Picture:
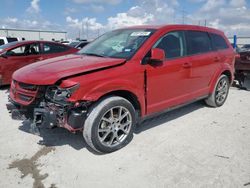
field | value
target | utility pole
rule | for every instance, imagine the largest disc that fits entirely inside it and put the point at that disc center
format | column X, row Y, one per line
column 87, row 28
column 82, row 30
column 205, row 23
column 183, row 16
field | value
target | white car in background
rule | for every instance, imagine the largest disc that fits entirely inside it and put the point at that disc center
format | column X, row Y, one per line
column 5, row 40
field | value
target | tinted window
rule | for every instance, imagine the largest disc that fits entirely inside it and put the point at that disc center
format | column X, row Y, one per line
column 9, row 39
column 173, row 44
column 1, row 42
column 28, row 49
column 82, row 44
column 197, row 42
column 218, row 42
column 49, row 48
column 246, row 46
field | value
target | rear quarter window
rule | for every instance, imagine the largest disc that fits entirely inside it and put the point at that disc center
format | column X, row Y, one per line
column 50, row 48
column 218, row 41
column 197, row 42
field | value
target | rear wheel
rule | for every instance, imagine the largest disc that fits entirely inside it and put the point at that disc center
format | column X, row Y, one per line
column 220, row 93
column 110, row 125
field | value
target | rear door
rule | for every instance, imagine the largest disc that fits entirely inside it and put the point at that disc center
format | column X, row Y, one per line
column 18, row 57
column 225, row 54
column 168, row 83
column 204, row 59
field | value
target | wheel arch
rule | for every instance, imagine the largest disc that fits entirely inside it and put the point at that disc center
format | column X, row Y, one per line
column 226, row 71
column 128, row 95
column 228, row 74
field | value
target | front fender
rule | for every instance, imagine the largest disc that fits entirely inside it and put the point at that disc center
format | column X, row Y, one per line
column 97, row 91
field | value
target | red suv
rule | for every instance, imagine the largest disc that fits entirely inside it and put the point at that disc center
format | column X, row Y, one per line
column 15, row 55
column 123, row 77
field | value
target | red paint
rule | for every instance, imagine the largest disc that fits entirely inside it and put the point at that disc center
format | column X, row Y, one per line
column 10, row 64
column 169, row 84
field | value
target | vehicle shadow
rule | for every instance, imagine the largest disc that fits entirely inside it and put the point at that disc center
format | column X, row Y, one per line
column 61, row 136
column 56, row 136
column 168, row 116
column 6, row 88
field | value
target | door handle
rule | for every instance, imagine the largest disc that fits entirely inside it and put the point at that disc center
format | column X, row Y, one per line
column 187, row 65
column 39, row 59
column 216, row 59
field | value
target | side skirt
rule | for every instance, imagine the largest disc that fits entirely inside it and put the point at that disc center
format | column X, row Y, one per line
column 172, row 108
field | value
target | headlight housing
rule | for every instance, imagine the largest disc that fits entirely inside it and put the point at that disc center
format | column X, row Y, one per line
column 57, row 93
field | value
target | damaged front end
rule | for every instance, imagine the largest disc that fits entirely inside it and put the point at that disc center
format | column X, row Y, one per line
column 55, row 109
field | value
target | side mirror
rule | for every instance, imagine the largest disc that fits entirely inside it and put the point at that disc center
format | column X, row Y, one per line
column 157, row 56
column 4, row 55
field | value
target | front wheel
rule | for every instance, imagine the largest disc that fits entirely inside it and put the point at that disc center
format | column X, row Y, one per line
column 110, row 125
column 220, row 92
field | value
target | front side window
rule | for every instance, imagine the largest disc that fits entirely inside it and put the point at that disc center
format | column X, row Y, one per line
column 118, row 44
column 49, row 48
column 173, row 44
column 197, row 42
column 24, row 50
column 218, row 42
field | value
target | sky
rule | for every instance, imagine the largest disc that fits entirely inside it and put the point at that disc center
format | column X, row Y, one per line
column 91, row 18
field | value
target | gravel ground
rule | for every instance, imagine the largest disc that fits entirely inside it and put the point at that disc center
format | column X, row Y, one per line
column 194, row 146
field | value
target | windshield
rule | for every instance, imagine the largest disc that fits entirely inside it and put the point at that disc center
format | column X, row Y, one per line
column 2, row 47
column 118, row 44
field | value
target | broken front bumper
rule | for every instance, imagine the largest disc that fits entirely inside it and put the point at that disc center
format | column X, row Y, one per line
column 50, row 115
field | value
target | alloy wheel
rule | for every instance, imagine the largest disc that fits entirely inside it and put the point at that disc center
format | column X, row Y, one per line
column 114, row 126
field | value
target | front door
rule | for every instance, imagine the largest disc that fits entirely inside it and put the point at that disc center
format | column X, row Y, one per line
column 19, row 57
column 168, row 83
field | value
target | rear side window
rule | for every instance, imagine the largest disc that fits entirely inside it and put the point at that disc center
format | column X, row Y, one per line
column 197, row 42
column 49, row 48
column 1, row 42
column 173, row 44
column 218, row 42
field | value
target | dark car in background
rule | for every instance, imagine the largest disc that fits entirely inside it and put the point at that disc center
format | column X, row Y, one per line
column 245, row 47
column 242, row 67
column 15, row 55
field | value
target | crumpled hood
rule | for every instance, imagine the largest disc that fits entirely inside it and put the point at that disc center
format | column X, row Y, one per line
column 49, row 71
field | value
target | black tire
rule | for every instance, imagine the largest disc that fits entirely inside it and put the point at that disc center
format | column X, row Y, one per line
column 213, row 99
column 105, row 122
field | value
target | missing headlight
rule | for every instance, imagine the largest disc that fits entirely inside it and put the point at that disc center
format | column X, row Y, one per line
column 56, row 93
